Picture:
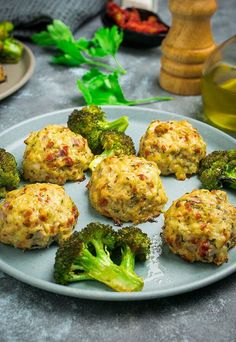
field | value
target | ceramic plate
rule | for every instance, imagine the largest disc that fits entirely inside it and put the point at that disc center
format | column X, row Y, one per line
column 164, row 274
column 17, row 74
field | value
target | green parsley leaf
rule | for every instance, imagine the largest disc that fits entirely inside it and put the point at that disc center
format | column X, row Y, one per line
column 104, row 89
column 108, row 40
column 56, row 32
column 81, row 51
column 82, row 44
column 66, row 60
column 60, row 32
column 70, row 49
column 43, row 38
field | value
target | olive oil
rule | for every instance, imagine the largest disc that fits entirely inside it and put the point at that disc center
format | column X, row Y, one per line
column 219, row 96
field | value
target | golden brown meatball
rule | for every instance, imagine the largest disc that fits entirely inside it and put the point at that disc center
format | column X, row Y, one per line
column 127, row 188
column 175, row 146
column 201, row 226
column 55, row 155
column 36, row 215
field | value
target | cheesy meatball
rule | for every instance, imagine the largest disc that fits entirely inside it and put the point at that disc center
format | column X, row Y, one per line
column 55, row 155
column 127, row 188
column 175, row 146
column 36, row 215
column 201, row 226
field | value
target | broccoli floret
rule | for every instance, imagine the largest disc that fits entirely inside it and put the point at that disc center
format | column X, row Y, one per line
column 5, row 28
column 113, row 143
column 134, row 245
column 11, row 51
column 90, row 122
column 9, row 175
column 218, row 169
column 87, row 255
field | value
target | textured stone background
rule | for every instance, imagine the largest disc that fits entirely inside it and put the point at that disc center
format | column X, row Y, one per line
column 29, row 314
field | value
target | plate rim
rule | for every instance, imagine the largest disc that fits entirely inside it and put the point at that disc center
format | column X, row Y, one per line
column 112, row 296
column 26, row 76
column 180, row 116
column 115, row 296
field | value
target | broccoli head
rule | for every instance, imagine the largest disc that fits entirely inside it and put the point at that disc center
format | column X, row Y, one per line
column 134, row 245
column 113, row 143
column 218, row 169
column 87, row 255
column 11, row 51
column 9, row 175
column 5, row 28
column 90, row 122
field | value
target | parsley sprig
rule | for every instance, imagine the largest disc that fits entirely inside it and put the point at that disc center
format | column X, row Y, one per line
column 97, row 87
column 73, row 52
column 101, row 89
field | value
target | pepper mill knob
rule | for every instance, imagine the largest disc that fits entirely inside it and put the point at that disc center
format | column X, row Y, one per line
column 187, row 45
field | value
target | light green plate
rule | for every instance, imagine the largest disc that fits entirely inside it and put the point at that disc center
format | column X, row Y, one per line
column 164, row 274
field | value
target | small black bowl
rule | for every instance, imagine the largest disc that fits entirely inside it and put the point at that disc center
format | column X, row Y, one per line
column 138, row 40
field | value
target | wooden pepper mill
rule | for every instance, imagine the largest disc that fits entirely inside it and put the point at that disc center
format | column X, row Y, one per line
column 187, row 45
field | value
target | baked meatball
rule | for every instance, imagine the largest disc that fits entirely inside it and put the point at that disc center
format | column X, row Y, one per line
column 55, row 155
column 201, row 226
column 127, row 188
column 175, row 146
column 36, row 215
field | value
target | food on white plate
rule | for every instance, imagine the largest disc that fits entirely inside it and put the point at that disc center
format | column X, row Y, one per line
column 201, row 226
column 2, row 75
column 127, row 188
column 11, row 50
column 35, row 215
column 56, row 155
column 175, row 146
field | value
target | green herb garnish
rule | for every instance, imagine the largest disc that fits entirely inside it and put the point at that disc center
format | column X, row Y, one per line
column 102, row 89
column 97, row 88
column 77, row 52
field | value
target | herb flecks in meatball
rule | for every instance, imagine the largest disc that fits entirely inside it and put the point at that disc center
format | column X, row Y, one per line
column 35, row 215
column 127, row 188
column 201, row 226
column 55, row 155
column 175, row 146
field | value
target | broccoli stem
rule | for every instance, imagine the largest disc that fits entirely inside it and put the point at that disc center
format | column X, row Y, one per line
column 97, row 160
column 119, row 125
column 102, row 268
column 74, row 277
column 128, row 258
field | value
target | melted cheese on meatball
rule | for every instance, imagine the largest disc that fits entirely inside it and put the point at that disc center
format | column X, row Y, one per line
column 127, row 188
column 55, row 155
column 175, row 146
column 201, row 226
column 36, row 215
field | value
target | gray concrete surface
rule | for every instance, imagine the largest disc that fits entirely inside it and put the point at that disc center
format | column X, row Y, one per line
column 30, row 314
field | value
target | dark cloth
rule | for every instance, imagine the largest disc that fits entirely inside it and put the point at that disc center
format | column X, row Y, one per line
column 30, row 16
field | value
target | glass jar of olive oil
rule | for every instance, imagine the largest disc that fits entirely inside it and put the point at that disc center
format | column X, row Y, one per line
column 218, row 86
